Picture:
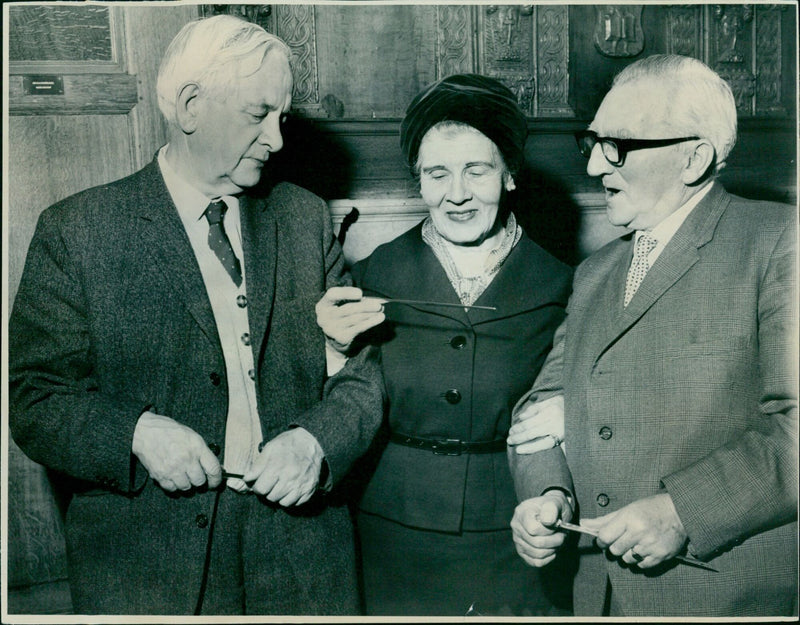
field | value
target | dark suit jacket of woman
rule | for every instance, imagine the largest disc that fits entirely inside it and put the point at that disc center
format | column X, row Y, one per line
column 450, row 374
column 112, row 318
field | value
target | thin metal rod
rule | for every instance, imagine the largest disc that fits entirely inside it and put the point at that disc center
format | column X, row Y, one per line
column 571, row 527
column 414, row 302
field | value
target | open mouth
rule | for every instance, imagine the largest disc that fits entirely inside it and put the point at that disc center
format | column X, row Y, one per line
column 611, row 191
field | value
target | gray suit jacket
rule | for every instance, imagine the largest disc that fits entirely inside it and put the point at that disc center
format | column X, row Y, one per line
column 690, row 390
column 112, row 318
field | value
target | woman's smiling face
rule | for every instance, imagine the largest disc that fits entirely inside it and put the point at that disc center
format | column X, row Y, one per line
column 462, row 176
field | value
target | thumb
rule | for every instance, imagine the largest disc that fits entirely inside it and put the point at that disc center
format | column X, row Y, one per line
column 550, row 512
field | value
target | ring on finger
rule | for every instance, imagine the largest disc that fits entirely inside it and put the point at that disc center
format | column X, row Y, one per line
column 636, row 556
column 557, row 440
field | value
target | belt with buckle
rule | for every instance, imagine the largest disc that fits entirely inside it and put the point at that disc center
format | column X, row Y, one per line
column 449, row 446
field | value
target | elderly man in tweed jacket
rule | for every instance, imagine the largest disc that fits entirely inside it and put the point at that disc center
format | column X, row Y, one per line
column 674, row 375
column 165, row 327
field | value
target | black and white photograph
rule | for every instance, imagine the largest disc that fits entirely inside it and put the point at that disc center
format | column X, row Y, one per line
column 386, row 311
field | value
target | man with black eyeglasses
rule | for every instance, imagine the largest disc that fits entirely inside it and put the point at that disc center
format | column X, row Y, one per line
column 673, row 380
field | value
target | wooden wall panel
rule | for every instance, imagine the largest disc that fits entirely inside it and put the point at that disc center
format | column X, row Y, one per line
column 148, row 33
column 375, row 59
column 51, row 157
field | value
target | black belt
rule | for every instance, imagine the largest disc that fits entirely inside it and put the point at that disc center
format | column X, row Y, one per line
column 449, row 446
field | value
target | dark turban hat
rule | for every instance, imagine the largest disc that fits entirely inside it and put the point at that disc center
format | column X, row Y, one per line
column 478, row 101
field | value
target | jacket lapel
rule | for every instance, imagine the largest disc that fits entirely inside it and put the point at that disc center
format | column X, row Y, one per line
column 403, row 282
column 521, row 284
column 677, row 258
column 165, row 239
column 259, row 241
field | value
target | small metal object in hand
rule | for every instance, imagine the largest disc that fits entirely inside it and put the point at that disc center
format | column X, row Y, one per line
column 571, row 527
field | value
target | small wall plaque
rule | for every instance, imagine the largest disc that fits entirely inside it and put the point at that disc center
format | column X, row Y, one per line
column 43, row 85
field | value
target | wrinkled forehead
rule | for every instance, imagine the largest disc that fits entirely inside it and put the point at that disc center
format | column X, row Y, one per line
column 637, row 110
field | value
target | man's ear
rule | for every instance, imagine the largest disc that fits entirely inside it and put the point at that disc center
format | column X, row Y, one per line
column 509, row 182
column 701, row 158
column 186, row 105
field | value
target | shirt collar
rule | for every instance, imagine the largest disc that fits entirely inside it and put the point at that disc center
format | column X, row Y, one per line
column 666, row 229
column 190, row 202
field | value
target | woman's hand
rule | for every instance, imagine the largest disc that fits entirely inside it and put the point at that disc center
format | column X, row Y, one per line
column 343, row 313
column 538, row 426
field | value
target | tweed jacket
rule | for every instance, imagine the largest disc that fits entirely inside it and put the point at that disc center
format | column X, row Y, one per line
column 452, row 374
column 690, row 390
column 111, row 319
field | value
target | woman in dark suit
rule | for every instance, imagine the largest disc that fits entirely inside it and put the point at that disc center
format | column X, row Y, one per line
column 434, row 518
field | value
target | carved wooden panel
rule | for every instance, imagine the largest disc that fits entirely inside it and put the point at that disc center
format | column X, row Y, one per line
column 685, row 30
column 730, row 50
column 296, row 25
column 454, row 28
column 618, row 30
column 769, row 69
column 506, row 35
column 552, row 62
column 746, row 50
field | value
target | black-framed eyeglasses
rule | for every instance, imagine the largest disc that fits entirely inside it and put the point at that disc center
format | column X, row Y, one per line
column 615, row 150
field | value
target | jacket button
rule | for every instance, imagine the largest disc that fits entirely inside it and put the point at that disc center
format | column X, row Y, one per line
column 251, row 374
column 602, row 500
column 452, row 396
column 214, row 448
column 241, row 301
column 215, row 378
column 605, row 433
column 458, row 342
column 246, row 338
column 201, row 520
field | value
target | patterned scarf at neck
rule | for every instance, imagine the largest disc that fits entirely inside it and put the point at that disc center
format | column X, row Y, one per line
column 470, row 287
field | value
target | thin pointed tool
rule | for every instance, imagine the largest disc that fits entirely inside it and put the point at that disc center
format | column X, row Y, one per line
column 571, row 527
column 415, row 302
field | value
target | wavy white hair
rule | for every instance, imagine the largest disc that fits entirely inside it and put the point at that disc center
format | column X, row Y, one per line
column 214, row 53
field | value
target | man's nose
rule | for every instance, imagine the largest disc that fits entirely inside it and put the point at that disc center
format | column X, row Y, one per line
column 458, row 192
column 598, row 164
column 271, row 135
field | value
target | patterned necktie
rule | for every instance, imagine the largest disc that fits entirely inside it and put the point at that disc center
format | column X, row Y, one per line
column 639, row 265
column 219, row 243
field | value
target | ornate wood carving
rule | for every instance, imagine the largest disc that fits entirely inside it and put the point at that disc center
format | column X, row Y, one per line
column 768, row 59
column 527, row 47
column 618, row 30
column 295, row 24
column 685, row 30
column 454, row 28
column 731, row 23
column 552, row 61
column 730, row 51
column 506, row 49
column 260, row 14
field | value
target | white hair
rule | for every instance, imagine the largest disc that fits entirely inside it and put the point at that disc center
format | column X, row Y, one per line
column 214, row 53
column 697, row 101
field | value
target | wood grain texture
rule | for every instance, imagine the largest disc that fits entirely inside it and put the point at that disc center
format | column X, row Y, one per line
column 148, row 31
column 110, row 94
